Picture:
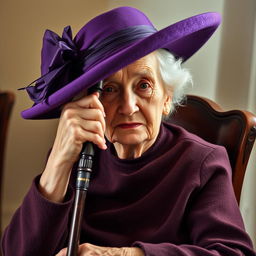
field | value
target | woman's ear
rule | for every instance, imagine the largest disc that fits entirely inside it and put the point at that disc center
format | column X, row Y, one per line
column 167, row 105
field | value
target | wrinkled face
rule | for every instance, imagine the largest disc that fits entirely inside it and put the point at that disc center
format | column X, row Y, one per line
column 134, row 100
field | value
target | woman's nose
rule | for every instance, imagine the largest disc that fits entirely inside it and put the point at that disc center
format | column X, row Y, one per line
column 128, row 104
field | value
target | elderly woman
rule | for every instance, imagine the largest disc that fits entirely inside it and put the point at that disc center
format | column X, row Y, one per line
column 156, row 189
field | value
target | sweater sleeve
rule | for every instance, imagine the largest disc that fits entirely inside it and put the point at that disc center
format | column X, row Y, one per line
column 213, row 220
column 37, row 215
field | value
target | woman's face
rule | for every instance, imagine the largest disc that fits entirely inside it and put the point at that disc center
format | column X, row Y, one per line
column 134, row 100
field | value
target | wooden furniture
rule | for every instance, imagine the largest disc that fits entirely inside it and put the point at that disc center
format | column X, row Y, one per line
column 6, row 104
column 235, row 130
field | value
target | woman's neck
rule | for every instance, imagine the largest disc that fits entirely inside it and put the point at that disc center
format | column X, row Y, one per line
column 131, row 151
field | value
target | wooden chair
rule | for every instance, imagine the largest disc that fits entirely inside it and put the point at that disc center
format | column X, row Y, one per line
column 235, row 130
column 6, row 104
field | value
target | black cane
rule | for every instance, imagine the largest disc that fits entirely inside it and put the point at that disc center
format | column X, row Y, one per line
column 84, row 170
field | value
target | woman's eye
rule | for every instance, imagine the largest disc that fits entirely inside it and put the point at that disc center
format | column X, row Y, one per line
column 108, row 89
column 144, row 89
column 109, row 93
column 144, row 86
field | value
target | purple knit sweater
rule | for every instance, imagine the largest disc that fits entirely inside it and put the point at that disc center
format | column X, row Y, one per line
column 175, row 200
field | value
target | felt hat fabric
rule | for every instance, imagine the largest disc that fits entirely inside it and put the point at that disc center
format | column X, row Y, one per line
column 103, row 46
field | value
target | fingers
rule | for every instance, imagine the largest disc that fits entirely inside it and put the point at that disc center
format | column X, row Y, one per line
column 92, row 136
column 90, row 101
column 83, row 250
column 62, row 252
column 87, row 249
column 84, row 125
column 83, row 116
column 88, row 108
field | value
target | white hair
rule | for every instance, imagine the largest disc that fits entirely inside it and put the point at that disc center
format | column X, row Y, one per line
column 176, row 78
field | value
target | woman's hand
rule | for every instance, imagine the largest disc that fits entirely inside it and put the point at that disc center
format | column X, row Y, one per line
column 80, row 121
column 93, row 250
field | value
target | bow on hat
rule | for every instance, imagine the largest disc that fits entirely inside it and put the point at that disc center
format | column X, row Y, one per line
column 59, row 65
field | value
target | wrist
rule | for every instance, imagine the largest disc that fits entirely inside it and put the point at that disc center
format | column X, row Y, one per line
column 54, row 181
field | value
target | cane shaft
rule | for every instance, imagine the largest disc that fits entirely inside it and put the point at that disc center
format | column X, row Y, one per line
column 82, row 183
column 76, row 222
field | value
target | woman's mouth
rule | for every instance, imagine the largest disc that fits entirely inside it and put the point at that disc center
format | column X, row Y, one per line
column 128, row 125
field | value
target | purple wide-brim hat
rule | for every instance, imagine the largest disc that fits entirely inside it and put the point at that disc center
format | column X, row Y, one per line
column 103, row 46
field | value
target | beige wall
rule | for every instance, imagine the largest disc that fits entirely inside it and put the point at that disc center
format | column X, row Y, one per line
column 22, row 24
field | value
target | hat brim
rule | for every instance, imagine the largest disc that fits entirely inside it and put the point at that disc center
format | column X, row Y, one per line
column 182, row 39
